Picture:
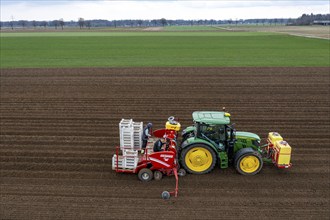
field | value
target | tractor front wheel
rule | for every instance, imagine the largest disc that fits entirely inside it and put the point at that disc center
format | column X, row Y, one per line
column 198, row 159
column 248, row 161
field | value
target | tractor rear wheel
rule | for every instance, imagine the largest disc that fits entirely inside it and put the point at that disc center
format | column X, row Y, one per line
column 198, row 159
column 248, row 161
column 145, row 175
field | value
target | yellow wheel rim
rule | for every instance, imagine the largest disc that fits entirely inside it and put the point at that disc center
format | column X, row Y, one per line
column 198, row 159
column 249, row 164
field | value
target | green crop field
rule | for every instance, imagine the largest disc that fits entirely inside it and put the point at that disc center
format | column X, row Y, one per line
column 164, row 49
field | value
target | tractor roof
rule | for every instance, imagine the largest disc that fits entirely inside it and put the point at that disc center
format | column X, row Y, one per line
column 212, row 117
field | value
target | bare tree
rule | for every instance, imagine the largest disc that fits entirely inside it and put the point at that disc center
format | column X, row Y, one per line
column 154, row 22
column 270, row 21
column 12, row 22
column 56, row 23
column 88, row 24
column 34, row 24
column 23, row 23
column 43, row 24
column 170, row 22
column 140, row 22
column 163, row 21
column 61, row 22
column 81, row 22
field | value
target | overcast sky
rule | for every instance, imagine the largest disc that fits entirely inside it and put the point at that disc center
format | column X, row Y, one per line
column 156, row 9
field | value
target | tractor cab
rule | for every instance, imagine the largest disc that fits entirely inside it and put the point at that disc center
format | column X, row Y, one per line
column 214, row 127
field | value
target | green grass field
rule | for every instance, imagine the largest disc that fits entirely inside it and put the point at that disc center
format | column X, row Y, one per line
column 164, row 49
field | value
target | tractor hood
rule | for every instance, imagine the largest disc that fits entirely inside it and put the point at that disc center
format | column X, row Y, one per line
column 246, row 139
column 243, row 134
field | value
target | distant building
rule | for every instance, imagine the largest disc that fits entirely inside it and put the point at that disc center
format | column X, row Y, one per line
column 322, row 22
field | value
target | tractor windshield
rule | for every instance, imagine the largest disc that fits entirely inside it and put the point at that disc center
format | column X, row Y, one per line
column 215, row 133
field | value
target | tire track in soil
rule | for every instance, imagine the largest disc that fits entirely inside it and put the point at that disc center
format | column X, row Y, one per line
column 59, row 129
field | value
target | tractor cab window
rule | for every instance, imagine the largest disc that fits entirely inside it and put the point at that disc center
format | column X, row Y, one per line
column 215, row 133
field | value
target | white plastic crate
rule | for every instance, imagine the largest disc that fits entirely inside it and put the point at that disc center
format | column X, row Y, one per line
column 137, row 135
column 130, row 134
column 131, row 153
column 114, row 161
column 131, row 162
column 126, row 133
column 124, row 162
column 125, row 123
column 127, row 138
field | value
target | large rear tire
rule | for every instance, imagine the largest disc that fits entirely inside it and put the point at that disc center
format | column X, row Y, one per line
column 248, row 162
column 198, row 159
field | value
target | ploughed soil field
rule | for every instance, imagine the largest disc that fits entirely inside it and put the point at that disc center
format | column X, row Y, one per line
column 59, row 130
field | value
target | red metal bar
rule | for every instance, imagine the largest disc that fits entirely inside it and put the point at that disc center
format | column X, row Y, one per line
column 175, row 192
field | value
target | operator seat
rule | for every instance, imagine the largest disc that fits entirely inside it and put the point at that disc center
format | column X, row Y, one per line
column 158, row 146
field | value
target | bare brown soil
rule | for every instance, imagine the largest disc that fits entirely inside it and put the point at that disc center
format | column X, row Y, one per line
column 153, row 29
column 313, row 31
column 59, row 129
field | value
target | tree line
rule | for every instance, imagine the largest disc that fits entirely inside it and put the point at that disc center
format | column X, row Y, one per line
column 305, row 19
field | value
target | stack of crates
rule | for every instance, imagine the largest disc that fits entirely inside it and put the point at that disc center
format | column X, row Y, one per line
column 126, row 134
column 130, row 133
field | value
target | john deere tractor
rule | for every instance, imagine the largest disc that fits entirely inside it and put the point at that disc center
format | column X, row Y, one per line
column 212, row 140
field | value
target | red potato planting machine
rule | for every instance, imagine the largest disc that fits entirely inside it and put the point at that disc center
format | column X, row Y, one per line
column 150, row 157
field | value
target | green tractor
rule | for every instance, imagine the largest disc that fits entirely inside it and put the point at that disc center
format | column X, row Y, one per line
column 212, row 140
